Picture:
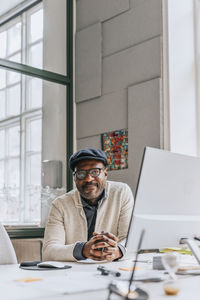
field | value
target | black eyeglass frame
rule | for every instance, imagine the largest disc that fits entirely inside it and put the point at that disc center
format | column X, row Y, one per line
column 88, row 172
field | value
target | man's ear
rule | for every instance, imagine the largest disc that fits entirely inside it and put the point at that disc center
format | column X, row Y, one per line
column 106, row 172
column 74, row 178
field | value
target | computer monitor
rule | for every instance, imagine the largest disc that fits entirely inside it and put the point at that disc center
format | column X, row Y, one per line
column 167, row 201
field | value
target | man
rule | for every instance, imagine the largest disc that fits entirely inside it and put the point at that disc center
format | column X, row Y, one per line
column 91, row 220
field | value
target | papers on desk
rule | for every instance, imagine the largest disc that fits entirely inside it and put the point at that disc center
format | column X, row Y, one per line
column 189, row 272
column 181, row 250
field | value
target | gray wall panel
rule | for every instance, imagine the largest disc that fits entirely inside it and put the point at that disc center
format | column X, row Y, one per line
column 143, row 122
column 135, row 3
column 103, row 114
column 92, row 141
column 92, row 11
column 134, row 65
column 121, row 176
column 88, row 63
column 124, row 31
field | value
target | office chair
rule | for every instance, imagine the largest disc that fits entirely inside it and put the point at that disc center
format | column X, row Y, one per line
column 7, row 252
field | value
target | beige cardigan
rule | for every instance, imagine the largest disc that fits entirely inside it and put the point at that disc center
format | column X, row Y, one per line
column 67, row 223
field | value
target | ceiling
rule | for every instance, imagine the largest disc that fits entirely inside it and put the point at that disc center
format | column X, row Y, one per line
column 6, row 5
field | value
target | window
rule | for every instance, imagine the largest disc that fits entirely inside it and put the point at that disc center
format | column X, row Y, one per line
column 36, row 104
column 21, row 41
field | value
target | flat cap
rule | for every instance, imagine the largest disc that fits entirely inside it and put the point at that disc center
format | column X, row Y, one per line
column 87, row 153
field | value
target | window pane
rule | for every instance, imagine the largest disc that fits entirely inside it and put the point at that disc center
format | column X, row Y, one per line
column 33, row 199
column 11, row 207
column 14, row 77
column 35, row 56
column 2, row 143
column 16, row 57
column 35, row 135
column 35, row 169
column 14, row 38
column 34, row 93
column 2, row 104
column 2, row 78
column 35, row 205
column 13, row 140
column 13, row 173
column 3, row 37
column 36, row 26
column 33, row 190
column 13, row 99
column 1, row 174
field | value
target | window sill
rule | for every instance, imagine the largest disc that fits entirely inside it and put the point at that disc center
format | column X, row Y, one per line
column 16, row 232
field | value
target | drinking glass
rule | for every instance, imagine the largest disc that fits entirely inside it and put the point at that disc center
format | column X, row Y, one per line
column 171, row 262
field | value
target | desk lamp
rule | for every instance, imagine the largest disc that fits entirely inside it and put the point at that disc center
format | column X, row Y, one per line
column 132, row 292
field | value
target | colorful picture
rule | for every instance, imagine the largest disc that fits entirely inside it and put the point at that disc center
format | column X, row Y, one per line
column 115, row 144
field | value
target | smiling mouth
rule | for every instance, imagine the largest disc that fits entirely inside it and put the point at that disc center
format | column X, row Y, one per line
column 90, row 187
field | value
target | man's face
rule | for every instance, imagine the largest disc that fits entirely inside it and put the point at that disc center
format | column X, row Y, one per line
column 91, row 187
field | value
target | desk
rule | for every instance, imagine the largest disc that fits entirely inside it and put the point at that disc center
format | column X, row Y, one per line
column 55, row 283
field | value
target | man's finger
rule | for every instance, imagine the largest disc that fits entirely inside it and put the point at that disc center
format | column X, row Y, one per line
column 100, row 245
column 110, row 257
column 108, row 237
column 111, row 236
column 98, row 253
column 110, row 250
column 96, row 258
column 99, row 237
column 96, row 233
column 111, row 242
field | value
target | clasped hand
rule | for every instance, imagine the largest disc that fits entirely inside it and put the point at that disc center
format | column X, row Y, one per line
column 102, row 246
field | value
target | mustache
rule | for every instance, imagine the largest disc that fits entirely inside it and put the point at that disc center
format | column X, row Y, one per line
column 89, row 183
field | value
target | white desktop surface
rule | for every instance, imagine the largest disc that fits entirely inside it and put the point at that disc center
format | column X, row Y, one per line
column 56, row 283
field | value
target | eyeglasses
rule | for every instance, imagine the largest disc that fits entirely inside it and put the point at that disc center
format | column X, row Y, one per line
column 82, row 174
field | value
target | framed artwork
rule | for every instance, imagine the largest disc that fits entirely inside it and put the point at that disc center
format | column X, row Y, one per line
column 115, row 144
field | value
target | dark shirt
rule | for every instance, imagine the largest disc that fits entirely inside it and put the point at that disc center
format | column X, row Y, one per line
column 91, row 214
